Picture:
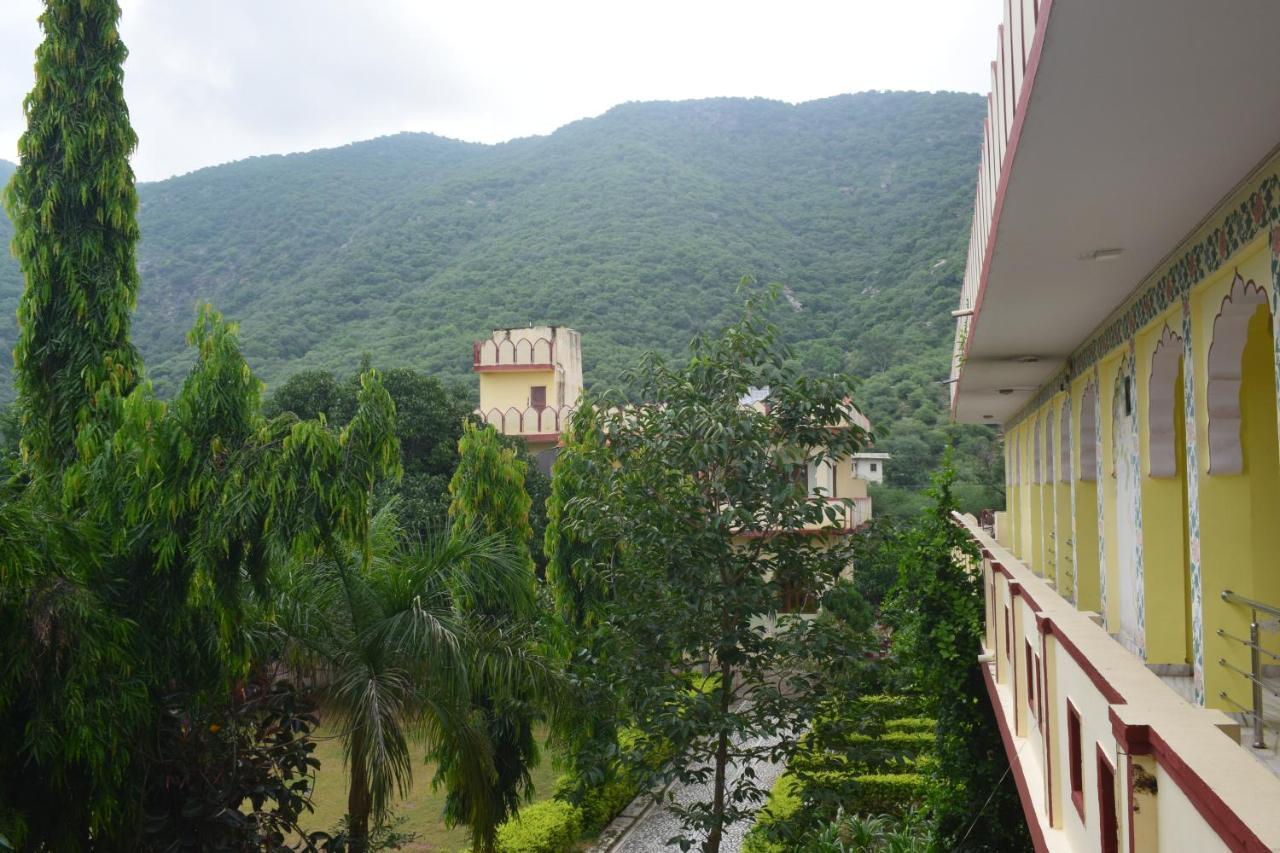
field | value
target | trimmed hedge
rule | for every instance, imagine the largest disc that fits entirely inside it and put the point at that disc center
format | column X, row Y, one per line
column 551, row 826
column 911, row 724
column 887, row 793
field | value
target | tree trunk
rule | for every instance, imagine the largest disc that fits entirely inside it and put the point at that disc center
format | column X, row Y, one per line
column 712, row 844
column 359, row 800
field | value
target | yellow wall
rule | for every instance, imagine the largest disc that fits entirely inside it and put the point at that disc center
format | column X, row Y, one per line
column 1064, row 541
column 1107, row 372
column 1085, row 532
column 1165, row 573
column 510, row 389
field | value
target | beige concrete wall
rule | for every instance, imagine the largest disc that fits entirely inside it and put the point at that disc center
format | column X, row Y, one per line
column 1189, row 750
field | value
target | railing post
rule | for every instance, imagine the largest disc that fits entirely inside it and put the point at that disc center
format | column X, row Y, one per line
column 1255, row 666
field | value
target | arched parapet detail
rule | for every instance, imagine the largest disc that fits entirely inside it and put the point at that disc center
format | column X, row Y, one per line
column 524, row 351
column 541, row 351
column 487, row 352
column 1162, row 420
column 493, row 418
column 548, row 420
column 511, row 421
column 1226, row 352
column 1089, row 433
column 1064, row 443
column 506, row 352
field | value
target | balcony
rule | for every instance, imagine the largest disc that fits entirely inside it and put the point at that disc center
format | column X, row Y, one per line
column 532, row 423
column 1105, row 755
column 535, row 354
column 1113, row 130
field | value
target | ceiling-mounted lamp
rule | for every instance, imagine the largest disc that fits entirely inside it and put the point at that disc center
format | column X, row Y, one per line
column 962, row 312
column 1102, row 254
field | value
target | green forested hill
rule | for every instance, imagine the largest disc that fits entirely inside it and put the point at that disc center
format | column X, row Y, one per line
column 633, row 227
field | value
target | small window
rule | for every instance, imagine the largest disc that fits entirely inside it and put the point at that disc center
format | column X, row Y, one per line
column 1008, row 634
column 1075, row 760
column 538, row 397
column 1108, row 827
column 1031, row 680
column 873, row 467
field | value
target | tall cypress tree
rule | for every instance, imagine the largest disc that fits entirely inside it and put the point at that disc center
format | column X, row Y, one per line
column 488, row 495
column 73, row 205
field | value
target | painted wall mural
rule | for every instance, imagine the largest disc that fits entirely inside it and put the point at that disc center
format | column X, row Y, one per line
column 1132, row 628
column 1193, row 502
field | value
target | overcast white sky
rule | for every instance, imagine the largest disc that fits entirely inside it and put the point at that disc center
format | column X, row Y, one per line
column 208, row 82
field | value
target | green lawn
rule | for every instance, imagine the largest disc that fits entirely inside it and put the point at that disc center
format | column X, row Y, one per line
column 422, row 809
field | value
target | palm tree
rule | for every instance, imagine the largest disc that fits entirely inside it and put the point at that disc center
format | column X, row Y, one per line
column 394, row 656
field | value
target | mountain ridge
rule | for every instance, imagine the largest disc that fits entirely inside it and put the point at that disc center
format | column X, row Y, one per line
column 634, row 226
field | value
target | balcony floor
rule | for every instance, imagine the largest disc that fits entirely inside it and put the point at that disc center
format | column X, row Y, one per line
column 1269, row 756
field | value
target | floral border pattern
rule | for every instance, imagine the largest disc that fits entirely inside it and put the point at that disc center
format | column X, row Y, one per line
column 1193, row 500
column 1248, row 219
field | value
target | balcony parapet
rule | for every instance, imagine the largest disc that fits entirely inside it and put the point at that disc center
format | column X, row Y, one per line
column 544, row 423
column 506, row 354
column 1018, row 42
column 1181, row 779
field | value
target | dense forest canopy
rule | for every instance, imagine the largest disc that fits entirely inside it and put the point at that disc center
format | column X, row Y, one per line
column 633, row 227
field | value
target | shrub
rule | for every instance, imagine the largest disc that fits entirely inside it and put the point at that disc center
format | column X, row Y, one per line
column 784, row 805
column 911, row 724
column 887, row 793
column 550, row 826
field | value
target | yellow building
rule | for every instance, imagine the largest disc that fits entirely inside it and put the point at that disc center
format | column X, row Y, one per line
column 530, row 382
column 1119, row 322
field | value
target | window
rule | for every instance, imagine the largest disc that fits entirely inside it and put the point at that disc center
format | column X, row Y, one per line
column 797, row 599
column 1075, row 761
column 1031, row 680
column 873, row 467
column 538, row 397
column 1107, row 825
column 1008, row 634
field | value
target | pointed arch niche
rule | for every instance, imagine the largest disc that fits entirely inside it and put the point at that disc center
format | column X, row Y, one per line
column 1239, row 499
column 1166, row 561
column 1226, row 365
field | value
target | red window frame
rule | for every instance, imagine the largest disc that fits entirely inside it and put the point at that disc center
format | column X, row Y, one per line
column 1031, row 680
column 538, row 396
column 1108, row 825
column 1075, row 758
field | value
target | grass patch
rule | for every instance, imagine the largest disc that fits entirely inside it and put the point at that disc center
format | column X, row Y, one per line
column 422, row 810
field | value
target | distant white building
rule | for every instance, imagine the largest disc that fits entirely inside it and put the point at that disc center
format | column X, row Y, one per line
column 869, row 466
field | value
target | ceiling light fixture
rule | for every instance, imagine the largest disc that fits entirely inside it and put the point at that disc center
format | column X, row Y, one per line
column 1102, row 254
column 1005, row 391
column 1028, row 359
column 962, row 312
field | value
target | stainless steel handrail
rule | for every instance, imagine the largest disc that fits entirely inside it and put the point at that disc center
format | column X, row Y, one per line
column 1233, row 598
column 1255, row 658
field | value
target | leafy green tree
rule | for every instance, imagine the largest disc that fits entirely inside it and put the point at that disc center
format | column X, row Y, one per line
column 715, row 531
column 429, row 418
column 936, row 610
column 489, row 496
column 73, row 204
column 139, row 532
column 577, row 573
column 386, row 629
column 131, row 588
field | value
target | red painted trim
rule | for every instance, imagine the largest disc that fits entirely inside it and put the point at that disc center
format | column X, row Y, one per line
column 1000, row 567
column 1225, row 822
column 1099, row 681
column 1075, row 761
column 513, row 368
column 1017, row 589
column 540, row 436
column 1108, row 845
column 1128, row 786
column 1020, row 117
column 1011, row 753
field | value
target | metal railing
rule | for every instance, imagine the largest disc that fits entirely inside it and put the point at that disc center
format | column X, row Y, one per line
column 1255, row 661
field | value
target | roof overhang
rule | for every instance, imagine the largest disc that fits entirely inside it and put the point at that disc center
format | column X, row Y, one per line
column 1142, row 117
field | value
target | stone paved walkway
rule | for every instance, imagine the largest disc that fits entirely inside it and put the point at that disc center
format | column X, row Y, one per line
column 646, row 824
